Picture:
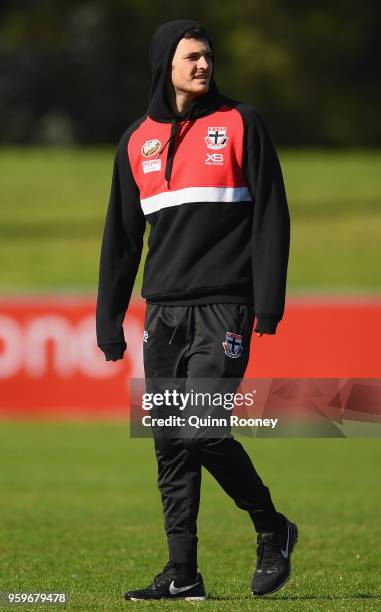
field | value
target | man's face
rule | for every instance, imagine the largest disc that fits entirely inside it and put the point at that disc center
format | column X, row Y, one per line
column 192, row 66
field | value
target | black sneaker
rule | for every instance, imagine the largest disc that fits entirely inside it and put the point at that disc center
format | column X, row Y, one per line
column 273, row 567
column 171, row 585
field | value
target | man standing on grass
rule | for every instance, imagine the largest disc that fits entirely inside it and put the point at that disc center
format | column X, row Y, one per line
column 202, row 170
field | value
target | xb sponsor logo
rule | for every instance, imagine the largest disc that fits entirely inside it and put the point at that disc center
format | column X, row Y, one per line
column 214, row 159
column 216, row 138
column 150, row 147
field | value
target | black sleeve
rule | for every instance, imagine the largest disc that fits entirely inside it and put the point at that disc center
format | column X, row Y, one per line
column 271, row 221
column 120, row 256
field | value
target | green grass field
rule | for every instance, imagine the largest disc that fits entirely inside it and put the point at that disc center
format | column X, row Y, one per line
column 81, row 513
column 53, row 203
column 79, row 507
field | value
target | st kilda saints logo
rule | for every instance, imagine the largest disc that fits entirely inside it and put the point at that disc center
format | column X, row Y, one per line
column 233, row 345
column 216, row 138
column 150, row 147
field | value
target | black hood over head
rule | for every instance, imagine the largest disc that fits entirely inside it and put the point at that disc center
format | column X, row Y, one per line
column 162, row 48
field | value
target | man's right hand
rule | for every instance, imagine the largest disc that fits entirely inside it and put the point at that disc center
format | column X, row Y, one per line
column 113, row 351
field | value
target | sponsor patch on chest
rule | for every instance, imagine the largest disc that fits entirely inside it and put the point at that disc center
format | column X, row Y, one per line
column 151, row 165
column 150, row 147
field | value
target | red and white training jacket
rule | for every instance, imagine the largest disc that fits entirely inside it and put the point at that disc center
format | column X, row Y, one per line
column 212, row 190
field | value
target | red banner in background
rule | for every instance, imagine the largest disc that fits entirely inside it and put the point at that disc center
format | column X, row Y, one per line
column 50, row 364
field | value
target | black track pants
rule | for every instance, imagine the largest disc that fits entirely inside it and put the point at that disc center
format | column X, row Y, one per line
column 186, row 342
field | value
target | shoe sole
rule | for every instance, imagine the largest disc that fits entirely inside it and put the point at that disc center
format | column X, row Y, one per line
column 280, row 586
column 200, row 598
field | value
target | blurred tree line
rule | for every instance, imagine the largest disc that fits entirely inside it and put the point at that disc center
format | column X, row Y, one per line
column 76, row 71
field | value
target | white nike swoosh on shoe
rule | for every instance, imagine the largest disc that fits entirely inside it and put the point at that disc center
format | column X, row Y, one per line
column 176, row 590
column 285, row 552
